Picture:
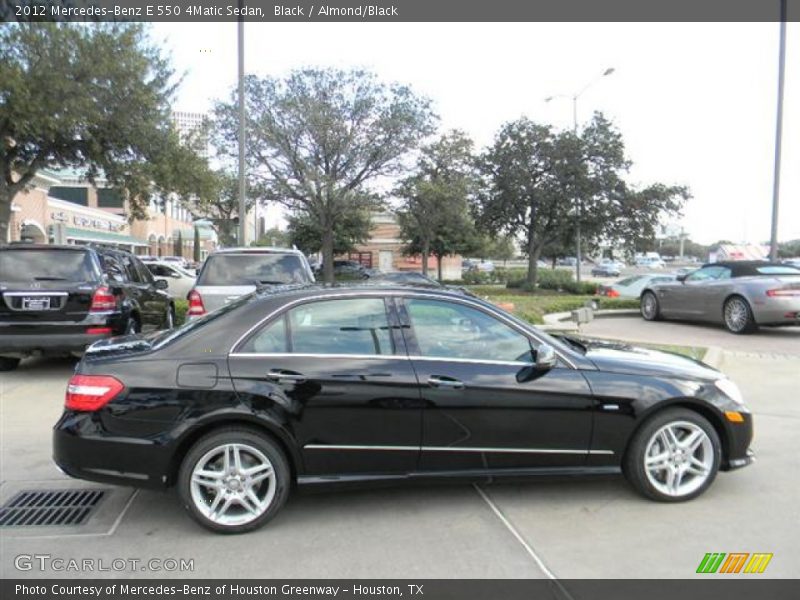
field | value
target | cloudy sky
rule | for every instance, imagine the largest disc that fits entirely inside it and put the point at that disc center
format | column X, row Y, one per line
column 695, row 102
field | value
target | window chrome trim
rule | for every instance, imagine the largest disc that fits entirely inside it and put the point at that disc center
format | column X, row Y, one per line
column 314, row 355
column 454, row 449
column 385, row 294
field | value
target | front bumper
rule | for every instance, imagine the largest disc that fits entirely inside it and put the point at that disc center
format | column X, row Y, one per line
column 738, row 463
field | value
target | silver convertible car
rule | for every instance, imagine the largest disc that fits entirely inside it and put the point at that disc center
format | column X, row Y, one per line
column 742, row 295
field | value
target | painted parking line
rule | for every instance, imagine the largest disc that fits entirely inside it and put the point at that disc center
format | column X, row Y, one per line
column 528, row 548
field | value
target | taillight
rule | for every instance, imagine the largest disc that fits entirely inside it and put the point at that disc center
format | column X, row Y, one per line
column 103, row 300
column 612, row 293
column 784, row 293
column 91, row 392
column 196, row 307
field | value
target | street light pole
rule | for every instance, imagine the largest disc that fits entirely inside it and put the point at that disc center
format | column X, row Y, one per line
column 776, row 180
column 579, row 204
column 242, row 203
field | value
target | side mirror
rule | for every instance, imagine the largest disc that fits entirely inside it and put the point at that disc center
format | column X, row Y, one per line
column 542, row 359
column 545, row 358
column 161, row 284
column 681, row 278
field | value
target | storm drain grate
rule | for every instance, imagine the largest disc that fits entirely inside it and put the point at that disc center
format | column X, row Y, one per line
column 31, row 508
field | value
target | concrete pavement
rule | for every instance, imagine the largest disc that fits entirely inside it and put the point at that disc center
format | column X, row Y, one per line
column 567, row 528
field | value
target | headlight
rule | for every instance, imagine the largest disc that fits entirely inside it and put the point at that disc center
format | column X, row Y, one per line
column 730, row 389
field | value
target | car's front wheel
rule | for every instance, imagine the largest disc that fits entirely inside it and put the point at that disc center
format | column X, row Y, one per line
column 738, row 315
column 234, row 480
column 649, row 307
column 674, row 457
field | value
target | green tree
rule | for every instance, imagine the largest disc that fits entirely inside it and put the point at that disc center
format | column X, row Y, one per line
column 94, row 97
column 219, row 204
column 275, row 237
column 318, row 138
column 352, row 229
column 178, row 246
column 434, row 214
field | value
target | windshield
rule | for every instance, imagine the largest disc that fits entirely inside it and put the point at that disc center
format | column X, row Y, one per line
column 46, row 265
column 248, row 269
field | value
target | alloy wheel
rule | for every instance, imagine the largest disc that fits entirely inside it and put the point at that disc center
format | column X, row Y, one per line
column 233, row 484
column 737, row 314
column 679, row 458
column 649, row 306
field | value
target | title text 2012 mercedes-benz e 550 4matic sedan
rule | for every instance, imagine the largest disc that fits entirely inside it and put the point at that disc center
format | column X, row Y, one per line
column 313, row 385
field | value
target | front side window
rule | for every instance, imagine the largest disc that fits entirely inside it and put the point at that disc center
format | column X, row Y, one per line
column 709, row 273
column 456, row 331
column 348, row 326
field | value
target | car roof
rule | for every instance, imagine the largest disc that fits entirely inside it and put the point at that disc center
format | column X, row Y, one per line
column 743, row 268
column 27, row 246
column 257, row 250
column 312, row 290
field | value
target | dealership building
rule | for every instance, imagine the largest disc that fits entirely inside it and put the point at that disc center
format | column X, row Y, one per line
column 62, row 207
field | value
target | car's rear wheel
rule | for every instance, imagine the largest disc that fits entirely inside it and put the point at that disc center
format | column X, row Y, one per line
column 8, row 363
column 674, row 457
column 738, row 315
column 649, row 307
column 234, row 480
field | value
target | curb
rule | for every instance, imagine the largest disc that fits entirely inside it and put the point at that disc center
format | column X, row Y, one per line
column 562, row 322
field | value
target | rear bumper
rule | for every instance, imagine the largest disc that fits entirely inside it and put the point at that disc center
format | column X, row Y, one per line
column 46, row 342
column 83, row 451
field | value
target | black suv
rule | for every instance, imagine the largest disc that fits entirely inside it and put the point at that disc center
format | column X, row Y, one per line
column 59, row 299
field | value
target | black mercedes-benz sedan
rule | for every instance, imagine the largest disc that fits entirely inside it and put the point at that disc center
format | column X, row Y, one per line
column 313, row 385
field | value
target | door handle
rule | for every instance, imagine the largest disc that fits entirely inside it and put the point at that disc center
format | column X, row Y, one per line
column 436, row 381
column 279, row 376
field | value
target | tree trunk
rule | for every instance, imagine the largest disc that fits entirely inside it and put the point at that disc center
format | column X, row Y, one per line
column 426, row 251
column 439, row 267
column 533, row 258
column 5, row 214
column 327, row 254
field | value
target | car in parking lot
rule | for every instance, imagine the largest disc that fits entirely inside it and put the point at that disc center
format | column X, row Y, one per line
column 179, row 280
column 607, row 269
column 316, row 385
column 742, row 295
column 233, row 272
column 406, row 277
column 631, row 287
column 57, row 300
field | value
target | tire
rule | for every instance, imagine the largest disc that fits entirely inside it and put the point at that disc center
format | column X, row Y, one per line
column 738, row 316
column 649, row 307
column 169, row 320
column 664, row 471
column 132, row 326
column 8, row 363
column 244, row 508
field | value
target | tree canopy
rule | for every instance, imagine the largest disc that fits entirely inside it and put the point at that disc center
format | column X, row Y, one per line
column 319, row 138
column 96, row 98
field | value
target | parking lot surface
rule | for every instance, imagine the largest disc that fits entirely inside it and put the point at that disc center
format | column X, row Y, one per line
column 560, row 528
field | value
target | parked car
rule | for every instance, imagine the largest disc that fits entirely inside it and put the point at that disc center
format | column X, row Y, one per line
column 179, row 281
column 483, row 266
column 179, row 260
column 233, row 272
column 567, row 261
column 406, row 277
column 650, row 262
column 346, row 269
column 606, row 270
column 741, row 295
column 631, row 287
column 362, row 383
column 57, row 300
column 792, row 262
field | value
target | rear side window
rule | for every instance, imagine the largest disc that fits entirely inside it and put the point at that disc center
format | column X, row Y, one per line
column 348, row 326
column 46, row 265
column 778, row 270
column 249, row 269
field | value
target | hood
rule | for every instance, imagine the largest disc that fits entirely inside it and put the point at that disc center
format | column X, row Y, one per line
column 121, row 346
column 621, row 357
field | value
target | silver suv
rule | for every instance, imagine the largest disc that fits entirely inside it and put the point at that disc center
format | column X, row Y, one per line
column 233, row 272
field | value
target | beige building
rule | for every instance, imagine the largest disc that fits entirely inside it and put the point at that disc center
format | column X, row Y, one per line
column 384, row 251
column 60, row 207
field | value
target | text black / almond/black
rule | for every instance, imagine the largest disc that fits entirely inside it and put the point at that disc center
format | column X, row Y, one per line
column 315, row 385
column 59, row 299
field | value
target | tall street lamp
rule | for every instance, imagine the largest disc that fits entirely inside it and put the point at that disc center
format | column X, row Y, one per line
column 242, row 188
column 776, row 179
column 579, row 212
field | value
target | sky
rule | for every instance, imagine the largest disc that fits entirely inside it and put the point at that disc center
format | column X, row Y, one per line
column 695, row 102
